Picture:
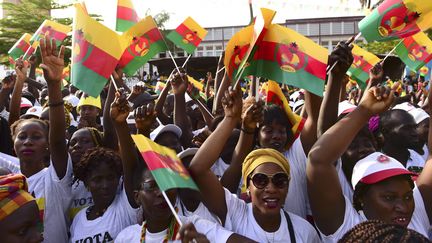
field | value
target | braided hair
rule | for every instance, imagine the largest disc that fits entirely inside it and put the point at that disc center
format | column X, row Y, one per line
column 14, row 127
column 378, row 231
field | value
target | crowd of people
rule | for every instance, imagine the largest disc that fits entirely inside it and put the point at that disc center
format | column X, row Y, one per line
column 356, row 171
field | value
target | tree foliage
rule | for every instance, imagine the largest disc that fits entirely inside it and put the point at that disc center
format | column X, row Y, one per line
column 25, row 17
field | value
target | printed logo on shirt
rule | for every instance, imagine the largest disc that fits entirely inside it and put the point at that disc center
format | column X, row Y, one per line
column 99, row 238
column 78, row 204
column 41, row 205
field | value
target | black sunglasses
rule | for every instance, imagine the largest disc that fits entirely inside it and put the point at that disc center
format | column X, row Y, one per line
column 261, row 180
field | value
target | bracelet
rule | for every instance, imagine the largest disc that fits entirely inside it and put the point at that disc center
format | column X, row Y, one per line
column 246, row 131
column 56, row 104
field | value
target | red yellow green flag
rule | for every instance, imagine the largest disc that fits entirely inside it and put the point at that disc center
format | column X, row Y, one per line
column 126, row 15
column 275, row 96
column 94, row 58
column 145, row 41
column 188, row 35
column 243, row 44
column 159, row 87
column 415, row 51
column 362, row 63
column 424, row 71
column 288, row 57
column 397, row 19
column 20, row 47
column 163, row 163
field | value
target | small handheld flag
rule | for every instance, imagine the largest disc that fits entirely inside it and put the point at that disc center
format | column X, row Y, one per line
column 188, row 35
column 415, row 51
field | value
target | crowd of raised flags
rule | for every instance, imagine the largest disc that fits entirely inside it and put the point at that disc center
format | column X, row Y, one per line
column 274, row 53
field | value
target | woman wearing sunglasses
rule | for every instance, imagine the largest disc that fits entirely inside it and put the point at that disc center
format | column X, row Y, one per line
column 383, row 188
column 266, row 174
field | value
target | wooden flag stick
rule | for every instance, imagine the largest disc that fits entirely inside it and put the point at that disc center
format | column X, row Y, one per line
column 175, row 63
column 218, row 71
column 388, row 54
column 114, row 83
column 172, row 208
column 351, row 40
column 187, row 59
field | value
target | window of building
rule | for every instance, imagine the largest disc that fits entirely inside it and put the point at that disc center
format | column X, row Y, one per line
column 218, row 34
column 336, row 28
column 348, row 28
column 303, row 29
column 325, row 29
column 313, row 29
column 209, row 35
column 228, row 33
column 162, row 55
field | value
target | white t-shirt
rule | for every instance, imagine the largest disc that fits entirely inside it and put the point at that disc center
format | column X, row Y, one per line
column 345, row 185
column 81, row 198
column 200, row 211
column 219, row 167
column 240, row 220
column 419, row 221
column 214, row 232
column 53, row 197
column 10, row 162
column 297, row 200
column 415, row 160
column 118, row 216
column 426, row 152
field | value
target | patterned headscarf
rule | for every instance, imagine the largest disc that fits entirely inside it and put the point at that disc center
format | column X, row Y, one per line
column 13, row 194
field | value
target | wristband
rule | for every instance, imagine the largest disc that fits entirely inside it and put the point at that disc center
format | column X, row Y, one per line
column 246, row 131
column 56, row 104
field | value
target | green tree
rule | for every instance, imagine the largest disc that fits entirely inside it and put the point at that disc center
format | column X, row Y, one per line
column 26, row 17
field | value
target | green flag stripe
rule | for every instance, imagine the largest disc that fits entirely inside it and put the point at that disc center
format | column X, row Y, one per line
column 168, row 179
column 123, row 25
column 138, row 62
column 80, row 77
column 177, row 39
column 16, row 53
column 403, row 52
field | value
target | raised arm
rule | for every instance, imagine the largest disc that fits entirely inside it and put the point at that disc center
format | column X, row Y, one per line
column 179, row 85
column 328, row 206
column 160, row 104
column 329, row 107
column 212, row 191
column 145, row 116
column 21, row 75
column 119, row 113
column 424, row 181
column 7, row 85
column 308, row 135
column 217, row 104
column 52, row 65
column 253, row 116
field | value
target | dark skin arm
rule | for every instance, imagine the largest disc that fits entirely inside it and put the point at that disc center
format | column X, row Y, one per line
column 118, row 113
column 226, row 82
column 179, row 85
column 7, row 86
column 329, row 107
column 52, row 65
column 209, row 83
column 328, row 206
column 110, row 138
column 208, row 118
column 308, row 135
column 14, row 106
column 424, row 181
column 232, row 176
column 219, row 74
column 211, row 189
column 161, row 102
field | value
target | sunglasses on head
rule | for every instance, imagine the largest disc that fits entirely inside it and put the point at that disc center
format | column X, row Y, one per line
column 261, row 180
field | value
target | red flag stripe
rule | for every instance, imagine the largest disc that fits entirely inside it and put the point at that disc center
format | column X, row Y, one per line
column 410, row 43
column 156, row 161
column 183, row 30
column 57, row 35
column 128, row 14
column 99, row 61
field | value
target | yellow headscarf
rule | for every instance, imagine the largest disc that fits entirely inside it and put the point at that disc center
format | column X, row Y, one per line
column 260, row 156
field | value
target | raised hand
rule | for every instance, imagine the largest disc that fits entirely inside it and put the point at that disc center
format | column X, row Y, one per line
column 188, row 233
column 21, row 68
column 118, row 76
column 232, row 102
column 199, row 139
column 8, row 83
column 253, row 116
column 52, row 61
column 375, row 75
column 378, row 99
column 145, row 116
column 120, row 107
column 179, row 82
column 341, row 54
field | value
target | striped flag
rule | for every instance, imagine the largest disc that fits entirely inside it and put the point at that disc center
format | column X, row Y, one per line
column 126, row 15
column 166, row 168
column 96, row 51
column 20, row 47
column 145, row 41
column 188, row 35
column 415, row 51
column 397, row 19
column 362, row 64
column 275, row 96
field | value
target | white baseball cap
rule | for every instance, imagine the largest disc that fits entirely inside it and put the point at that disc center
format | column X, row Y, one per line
column 418, row 113
column 187, row 152
column 345, row 107
column 34, row 111
column 167, row 128
column 377, row 167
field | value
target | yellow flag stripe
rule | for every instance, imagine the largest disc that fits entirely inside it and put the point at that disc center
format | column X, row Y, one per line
column 194, row 26
column 125, row 3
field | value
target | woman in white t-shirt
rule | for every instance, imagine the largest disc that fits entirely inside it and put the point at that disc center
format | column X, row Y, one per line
column 35, row 141
column 266, row 174
column 383, row 188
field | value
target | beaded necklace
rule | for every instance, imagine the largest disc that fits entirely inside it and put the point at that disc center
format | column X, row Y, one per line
column 171, row 234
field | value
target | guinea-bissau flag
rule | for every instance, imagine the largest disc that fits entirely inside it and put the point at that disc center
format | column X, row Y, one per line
column 20, row 47
column 396, row 19
column 362, row 64
column 415, row 51
column 188, row 35
column 288, row 57
column 166, row 168
column 96, row 51
column 145, row 41
column 126, row 15
column 275, row 96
